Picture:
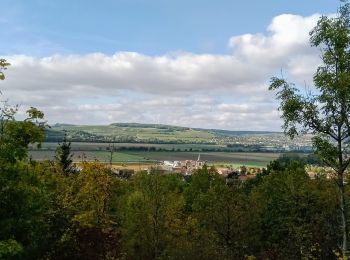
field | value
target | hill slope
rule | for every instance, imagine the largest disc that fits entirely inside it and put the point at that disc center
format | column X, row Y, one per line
column 141, row 133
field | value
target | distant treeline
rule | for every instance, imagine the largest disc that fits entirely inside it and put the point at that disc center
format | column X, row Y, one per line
column 157, row 126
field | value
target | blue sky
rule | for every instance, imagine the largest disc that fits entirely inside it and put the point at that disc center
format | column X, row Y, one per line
column 44, row 27
column 195, row 63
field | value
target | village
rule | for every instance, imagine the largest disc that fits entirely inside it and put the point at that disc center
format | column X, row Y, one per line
column 186, row 168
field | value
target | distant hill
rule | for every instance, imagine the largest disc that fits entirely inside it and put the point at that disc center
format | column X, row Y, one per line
column 142, row 133
column 236, row 133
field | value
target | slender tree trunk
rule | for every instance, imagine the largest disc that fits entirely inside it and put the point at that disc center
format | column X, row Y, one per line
column 342, row 205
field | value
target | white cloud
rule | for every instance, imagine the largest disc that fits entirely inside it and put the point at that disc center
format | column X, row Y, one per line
column 198, row 90
column 285, row 46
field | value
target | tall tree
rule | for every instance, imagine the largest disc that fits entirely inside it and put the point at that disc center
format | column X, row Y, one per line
column 23, row 203
column 152, row 216
column 326, row 113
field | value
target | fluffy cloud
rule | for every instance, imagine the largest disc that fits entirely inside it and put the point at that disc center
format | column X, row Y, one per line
column 199, row 90
column 285, row 46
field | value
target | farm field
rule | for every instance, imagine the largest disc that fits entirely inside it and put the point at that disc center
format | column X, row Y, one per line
column 236, row 158
column 133, row 166
column 102, row 156
column 93, row 151
column 87, row 146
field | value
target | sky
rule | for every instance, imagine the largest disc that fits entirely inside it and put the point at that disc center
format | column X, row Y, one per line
column 195, row 63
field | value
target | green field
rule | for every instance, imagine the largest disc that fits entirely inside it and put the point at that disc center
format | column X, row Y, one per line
column 93, row 151
column 251, row 159
column 86, row 146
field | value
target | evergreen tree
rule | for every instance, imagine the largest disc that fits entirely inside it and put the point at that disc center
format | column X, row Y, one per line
column 64, row 156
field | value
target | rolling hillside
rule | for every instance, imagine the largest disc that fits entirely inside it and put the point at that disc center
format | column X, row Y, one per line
column 141, row 133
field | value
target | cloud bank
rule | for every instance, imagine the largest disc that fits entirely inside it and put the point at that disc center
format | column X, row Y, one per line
column 197, row 90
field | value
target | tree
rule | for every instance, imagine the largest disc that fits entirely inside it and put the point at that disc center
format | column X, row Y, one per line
column 326, row 113
column 293, row 214
column 64, row 156
column 23, row 213
column 25, row 207
column 153, row 210
column 15, row 136
column 222, row 213
column 88, row 199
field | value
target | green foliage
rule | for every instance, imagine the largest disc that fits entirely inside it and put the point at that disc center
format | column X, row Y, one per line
column 64, row 156
column 86, row 199
column 3, row 66
column 325, row 114
column 89, row 195
column 201, row 181
column 15, row 136
column 9, row 248
column 221, row 214
column 23, row 209
column 287, row 202
column 94, row 215
column 153, row 213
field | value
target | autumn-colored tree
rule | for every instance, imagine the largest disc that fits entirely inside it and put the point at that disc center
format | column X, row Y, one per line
column 88, row 200
column 91, row 191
